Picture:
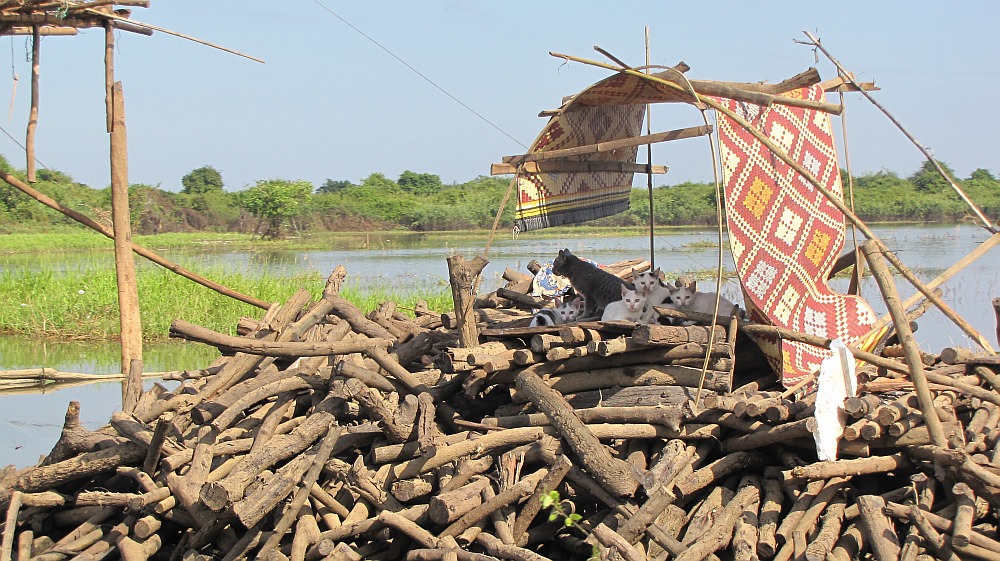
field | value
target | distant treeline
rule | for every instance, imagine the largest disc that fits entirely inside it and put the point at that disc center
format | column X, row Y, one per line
column 421, row 202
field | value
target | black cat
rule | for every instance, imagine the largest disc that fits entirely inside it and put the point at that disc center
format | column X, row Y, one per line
column 596, row 285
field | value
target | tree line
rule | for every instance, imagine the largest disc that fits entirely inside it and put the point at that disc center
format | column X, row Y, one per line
column 273, row 208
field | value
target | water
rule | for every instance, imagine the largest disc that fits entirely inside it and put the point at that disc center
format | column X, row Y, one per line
column 30, row 424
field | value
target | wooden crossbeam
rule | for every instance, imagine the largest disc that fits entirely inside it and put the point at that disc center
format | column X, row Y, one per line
column 611, row 145
column 570, row 166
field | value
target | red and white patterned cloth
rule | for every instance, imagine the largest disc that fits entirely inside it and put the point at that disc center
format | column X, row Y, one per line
column 785, row 235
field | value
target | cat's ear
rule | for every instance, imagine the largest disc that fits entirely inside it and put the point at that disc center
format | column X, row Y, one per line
column 624, row 290
column 694, row 286
column 656, row 273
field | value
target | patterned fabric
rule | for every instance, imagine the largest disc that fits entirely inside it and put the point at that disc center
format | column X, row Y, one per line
column 552, row 199
column 785, row 235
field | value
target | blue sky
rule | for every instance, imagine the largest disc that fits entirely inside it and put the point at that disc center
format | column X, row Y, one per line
column 329, row 103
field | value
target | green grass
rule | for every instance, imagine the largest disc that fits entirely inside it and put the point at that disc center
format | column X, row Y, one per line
column 84, row 305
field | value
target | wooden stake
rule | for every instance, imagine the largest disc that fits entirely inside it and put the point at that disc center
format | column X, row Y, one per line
column 29, row 142
column 462, row 276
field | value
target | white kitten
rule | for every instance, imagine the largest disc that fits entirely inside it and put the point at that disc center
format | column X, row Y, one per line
column 630, row 308
column 657, row 293
column 563, row 312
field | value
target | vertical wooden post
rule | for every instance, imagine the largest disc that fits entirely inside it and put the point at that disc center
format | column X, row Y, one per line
column 128, row 293
column 29, row 141
column 462, row 275
column 873, row 254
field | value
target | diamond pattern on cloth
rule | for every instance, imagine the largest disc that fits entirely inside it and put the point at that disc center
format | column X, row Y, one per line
column 785, row 234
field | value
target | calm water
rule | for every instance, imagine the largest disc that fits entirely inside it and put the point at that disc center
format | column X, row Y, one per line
column 30, row 424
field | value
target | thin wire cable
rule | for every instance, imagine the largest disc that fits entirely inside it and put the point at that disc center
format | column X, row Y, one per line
column 16, row 141
column 418, row 73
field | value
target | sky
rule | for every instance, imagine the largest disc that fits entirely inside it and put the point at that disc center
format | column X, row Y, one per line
column 348, row 89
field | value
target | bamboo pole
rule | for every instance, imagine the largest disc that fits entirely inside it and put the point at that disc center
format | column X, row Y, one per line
column 954, row 185
column 950, row 272
column 168, row 32
column 29, row 142
column 147, row 253
column 873, row 253
column 836, row 201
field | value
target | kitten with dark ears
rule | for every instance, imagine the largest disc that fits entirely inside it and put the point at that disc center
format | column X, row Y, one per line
column 563, row 312
column 597, row 286
column 689, row 299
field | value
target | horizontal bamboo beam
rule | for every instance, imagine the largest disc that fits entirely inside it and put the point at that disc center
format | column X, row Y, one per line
column 571, row 166
column 43, row 31
column 611, row 145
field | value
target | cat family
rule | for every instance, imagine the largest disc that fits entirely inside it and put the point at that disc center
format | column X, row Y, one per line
column 683, row 296
column 597, row 286
column 563, row 312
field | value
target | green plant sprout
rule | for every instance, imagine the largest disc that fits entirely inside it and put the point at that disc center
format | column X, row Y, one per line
column 570, row 519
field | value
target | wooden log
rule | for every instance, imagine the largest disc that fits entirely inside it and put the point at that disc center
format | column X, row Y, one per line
column 745, row 533
column 219, row 494
column 593, row 456
column 770, row 512
column 184, row 330
column 641, row 375
column 829, row 531
column 845, row 468
column 522, row 489
column 877, row 528
column 722, row 530
column 859, row 406
column 943, row 524
column 315, row 465
column 84, row 465
column 664, row 335
column 462, row 276
column 445, row 508
column 883, row 277
column 965, row 507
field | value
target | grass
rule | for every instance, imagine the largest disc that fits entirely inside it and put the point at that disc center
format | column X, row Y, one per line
column 84, row 305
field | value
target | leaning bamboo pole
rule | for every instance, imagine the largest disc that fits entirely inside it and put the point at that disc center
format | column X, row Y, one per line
column 836, row 201
column 143, row 251
column 951, row 181
column 873, row 254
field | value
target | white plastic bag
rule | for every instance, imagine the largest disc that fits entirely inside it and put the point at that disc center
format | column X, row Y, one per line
column 836, row 382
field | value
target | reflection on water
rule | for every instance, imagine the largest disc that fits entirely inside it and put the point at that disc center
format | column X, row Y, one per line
column 417, row 263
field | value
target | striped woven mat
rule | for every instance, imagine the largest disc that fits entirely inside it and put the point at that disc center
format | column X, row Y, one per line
column 553, row 199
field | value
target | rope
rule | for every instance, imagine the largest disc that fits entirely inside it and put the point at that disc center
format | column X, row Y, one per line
column 418, row 73
column 721, row 227
column 850, row 190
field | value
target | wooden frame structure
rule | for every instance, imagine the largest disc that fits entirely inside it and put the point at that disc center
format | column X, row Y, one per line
column 39, row 18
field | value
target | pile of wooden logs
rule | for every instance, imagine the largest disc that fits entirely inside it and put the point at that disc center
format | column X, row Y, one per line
column 326, row 433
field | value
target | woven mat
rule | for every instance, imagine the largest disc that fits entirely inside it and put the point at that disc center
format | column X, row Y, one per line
column 553, row 199
column 785, row 234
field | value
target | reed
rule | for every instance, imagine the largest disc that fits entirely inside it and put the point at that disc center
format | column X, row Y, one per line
column 83, row 304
